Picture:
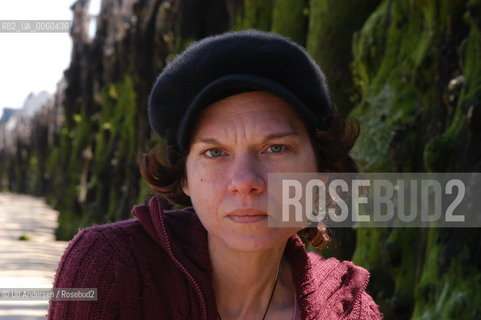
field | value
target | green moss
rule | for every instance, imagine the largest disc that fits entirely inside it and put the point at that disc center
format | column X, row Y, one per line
column 369, row 47
column 255, row 15
column 115, row 150
column 381, row 111
column 52, row 162
column 68, row 219
column 453, row 291
column 404, row 249
column 330, row 43
column 127, row 106
column 111, row 134
column 117, row 122
column 440, row 153
column 289, row 19
column 80, row 135
column 24, row 237
column 368, row 247
column 34, row 173
column 113, row 205
column 450, row 293
column 395, row 73
column 145, row 193
column 402, row 80
column 471, row 53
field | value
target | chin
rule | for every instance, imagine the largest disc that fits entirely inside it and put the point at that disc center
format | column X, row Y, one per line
column 255, row 242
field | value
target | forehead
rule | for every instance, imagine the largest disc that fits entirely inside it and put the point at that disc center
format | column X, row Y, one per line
column 256, row 106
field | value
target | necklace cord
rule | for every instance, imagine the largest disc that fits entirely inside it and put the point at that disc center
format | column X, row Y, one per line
column 270, row 298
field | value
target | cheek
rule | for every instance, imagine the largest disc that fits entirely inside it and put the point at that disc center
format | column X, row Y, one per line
column 203, row 186
column 194, row 178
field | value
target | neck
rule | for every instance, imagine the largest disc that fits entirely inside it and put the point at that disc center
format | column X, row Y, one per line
column 244, row 281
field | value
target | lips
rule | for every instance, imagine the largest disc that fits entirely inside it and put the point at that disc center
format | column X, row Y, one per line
column 247, row 215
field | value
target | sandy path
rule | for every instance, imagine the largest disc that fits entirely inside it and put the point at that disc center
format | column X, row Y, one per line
column 27, row 264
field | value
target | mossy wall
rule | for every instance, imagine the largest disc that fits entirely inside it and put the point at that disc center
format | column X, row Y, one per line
column 409, row 71
column 414, row 63
column 329, row 38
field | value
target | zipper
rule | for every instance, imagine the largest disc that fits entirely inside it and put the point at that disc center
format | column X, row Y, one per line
column 179, row 264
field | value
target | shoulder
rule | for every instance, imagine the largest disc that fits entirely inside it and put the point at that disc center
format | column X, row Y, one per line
column 97, row 257
column 97, row 253
column 345, row 284
column 105, row 240
column 344, row 273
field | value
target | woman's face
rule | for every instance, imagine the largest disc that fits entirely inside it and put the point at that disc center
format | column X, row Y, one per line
column 236, row 143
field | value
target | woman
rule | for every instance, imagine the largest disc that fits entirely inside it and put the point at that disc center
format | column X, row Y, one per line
column 231, row 109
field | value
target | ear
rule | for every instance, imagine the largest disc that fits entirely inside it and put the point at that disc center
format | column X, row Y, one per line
column 185, row 186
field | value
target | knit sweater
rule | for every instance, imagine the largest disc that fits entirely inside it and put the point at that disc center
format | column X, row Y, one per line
column 157, row 266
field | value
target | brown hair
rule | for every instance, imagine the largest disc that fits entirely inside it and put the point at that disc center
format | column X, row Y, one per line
column 163, row 168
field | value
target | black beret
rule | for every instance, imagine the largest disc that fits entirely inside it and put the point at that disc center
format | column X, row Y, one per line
column 218, row 66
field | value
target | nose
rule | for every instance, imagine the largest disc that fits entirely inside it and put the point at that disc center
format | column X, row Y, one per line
column 246, row 176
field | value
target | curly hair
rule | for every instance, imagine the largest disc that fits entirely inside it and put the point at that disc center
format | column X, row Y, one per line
column 163, row 168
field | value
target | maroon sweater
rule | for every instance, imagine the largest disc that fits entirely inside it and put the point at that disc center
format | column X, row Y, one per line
column 157, row 267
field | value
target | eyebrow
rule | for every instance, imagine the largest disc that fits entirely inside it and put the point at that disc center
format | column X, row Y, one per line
column 274, row 136
column 269, row 137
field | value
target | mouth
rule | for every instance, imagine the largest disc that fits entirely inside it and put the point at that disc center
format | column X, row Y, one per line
column 247, row 215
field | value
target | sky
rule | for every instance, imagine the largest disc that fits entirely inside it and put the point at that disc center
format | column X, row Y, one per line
column 33, row 62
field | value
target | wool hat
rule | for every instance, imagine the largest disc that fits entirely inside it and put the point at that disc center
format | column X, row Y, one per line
column 234, row 62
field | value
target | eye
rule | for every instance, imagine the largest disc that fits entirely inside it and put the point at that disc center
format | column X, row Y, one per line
column 214, row 153
column 276, row 148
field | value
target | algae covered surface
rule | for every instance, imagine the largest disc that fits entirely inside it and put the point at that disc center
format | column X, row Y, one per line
column 417, row 66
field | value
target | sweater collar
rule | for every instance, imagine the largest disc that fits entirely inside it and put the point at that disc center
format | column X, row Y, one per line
column 325, row 287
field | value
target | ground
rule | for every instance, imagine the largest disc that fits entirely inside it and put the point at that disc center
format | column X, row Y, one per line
column 30, row 263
